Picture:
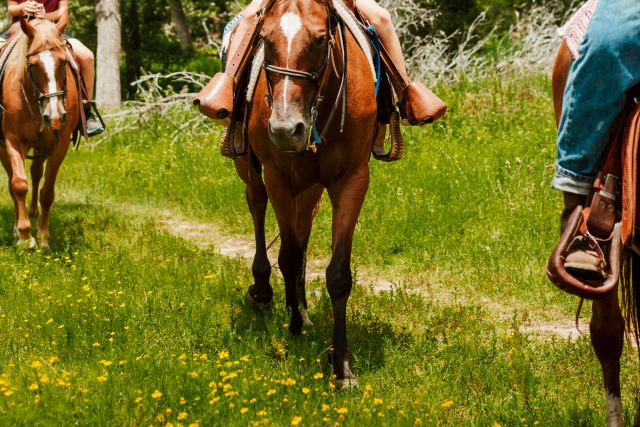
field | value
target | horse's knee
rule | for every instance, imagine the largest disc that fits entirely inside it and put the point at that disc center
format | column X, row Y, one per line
column 607, row 330
column 290, row 257
column 46, row 199
column 339, row 280
column 19, row 186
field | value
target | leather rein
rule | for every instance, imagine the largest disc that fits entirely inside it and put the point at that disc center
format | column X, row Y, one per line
column 319, row 78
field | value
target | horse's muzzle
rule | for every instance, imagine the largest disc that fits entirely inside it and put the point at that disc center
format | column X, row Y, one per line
column 54, row 123
column 289, row 136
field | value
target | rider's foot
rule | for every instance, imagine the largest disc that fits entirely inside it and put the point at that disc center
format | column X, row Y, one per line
column 215, row 100
column 420, row 106
column 94, row 127
column 585, row 262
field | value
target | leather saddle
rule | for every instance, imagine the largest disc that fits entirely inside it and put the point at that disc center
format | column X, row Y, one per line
column 608, row 222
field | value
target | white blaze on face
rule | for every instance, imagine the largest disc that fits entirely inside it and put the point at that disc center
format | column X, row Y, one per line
column 290, row 24
column 52, row 86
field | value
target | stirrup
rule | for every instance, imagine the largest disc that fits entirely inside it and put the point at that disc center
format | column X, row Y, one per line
column 560, row 277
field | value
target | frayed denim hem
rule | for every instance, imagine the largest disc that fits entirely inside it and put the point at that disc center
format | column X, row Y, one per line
column 572, row 185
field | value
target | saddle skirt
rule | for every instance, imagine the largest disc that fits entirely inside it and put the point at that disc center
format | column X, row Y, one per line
column 574, row 30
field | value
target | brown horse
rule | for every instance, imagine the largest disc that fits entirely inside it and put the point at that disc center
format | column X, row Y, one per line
column 607, row 323
column 40, row 112
column 303, row 64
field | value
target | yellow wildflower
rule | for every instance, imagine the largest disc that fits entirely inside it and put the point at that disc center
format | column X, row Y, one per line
column 36, row 365
column 270, row 392
column 317, row 376
column 377, row 401
column 156, row 394
column 244, row 410
column 447, row 404
column 342, row 410
column 223, row 355
column 33, row 386
column 296, row 420
column 305, row 390
column 102, row 378
column 105, row 362
column 182, row 415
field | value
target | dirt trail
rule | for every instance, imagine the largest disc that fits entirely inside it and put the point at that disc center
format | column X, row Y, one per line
column 206, row 235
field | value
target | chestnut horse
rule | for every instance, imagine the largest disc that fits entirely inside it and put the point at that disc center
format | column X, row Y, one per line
column 40, row 112
column 304, row 66
column 607, row 326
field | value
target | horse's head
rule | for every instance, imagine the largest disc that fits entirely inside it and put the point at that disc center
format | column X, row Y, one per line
column 47, row 70
column 296, row 39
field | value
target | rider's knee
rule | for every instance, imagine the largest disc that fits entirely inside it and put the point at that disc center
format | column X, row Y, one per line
column 611, row 43
column 381, row 19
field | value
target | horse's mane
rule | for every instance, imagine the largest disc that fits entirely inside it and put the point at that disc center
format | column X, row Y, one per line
column 46, row 37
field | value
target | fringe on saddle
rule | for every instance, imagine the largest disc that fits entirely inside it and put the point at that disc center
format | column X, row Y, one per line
column 236, row 134
column 5, row 51
column 609, row 223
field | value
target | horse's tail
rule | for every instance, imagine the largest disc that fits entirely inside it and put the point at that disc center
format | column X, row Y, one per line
column 631, row 293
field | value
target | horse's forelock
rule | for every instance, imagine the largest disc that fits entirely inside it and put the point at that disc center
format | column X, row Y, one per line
column 46, row 37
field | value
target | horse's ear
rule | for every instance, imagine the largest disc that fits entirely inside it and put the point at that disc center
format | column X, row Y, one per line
column 27, row 28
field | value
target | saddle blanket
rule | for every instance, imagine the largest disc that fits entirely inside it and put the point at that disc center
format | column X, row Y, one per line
column 576, row 27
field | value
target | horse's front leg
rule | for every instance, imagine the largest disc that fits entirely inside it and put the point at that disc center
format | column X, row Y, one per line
column 13, row 161
column 290, row 258
column 37, row 167
column 307, row 204
column 347, row 197
column 607, row 338
column 47, row 194
column 256, row 193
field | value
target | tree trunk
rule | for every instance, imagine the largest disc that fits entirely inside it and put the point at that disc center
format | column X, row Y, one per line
column 108, row 58
column 182, row 27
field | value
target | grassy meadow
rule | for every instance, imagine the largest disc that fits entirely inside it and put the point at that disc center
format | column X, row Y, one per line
column 121, row 322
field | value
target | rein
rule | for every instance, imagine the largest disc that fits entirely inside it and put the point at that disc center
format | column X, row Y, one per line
column 319, row 78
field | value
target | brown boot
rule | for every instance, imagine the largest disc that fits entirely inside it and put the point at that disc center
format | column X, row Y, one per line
column 215, row 100
column 421, row 106
column 584, row 259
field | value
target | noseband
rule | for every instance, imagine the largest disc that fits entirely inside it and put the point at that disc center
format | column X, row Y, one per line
column 316, row 76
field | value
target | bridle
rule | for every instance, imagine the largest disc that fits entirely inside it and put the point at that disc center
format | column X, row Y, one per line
column 40, row 95
column 318, row 77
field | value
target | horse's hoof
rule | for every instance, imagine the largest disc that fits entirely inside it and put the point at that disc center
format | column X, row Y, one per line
column 345, row 383
column 305, row 318
column 27, row 244
column 253, row 300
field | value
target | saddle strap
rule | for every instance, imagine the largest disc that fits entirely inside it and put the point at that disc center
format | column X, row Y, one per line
column 238, row 62
column 81, row 90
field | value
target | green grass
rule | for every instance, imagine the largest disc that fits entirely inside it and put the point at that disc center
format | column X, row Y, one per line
column 119, row 308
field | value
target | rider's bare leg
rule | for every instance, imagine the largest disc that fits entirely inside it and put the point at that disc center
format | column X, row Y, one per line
column 85, row 60
column 380, row 18
column 421, row 106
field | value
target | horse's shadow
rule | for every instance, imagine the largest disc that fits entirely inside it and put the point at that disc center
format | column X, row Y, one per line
column 68, row 222
column 368, row 334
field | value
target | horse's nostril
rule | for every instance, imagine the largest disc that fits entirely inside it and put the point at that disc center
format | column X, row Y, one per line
column 63, row 118
column 46, row 118
column 298, row 132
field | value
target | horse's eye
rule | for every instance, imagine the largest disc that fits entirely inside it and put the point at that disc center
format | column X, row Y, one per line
column 320, row 41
